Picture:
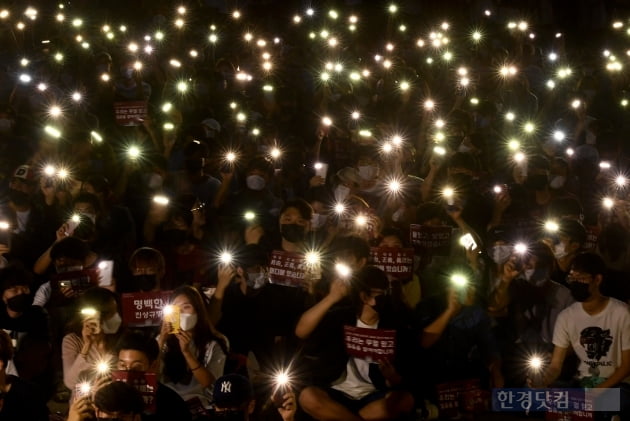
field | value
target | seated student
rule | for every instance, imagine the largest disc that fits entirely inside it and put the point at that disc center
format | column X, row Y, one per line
column 349, row 388
column 19, row 399
column 147, row 268
column 234, row 400
column 26, row 324
column 596, row 328
column 139, row 352
column 194, row 357
column 94, row 334
column 116, row 401
column 456, row 334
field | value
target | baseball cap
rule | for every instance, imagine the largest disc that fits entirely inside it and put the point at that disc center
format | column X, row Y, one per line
column 25, row 173
column 232, row 390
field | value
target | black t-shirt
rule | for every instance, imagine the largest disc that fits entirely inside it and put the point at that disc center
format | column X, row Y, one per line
column 23, row 402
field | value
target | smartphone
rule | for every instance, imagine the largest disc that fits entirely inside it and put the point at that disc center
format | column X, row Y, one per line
column 321, row 170
column 82, row 389
column 468, row 242
column 5, row 234
column 105, row 271
column 278, row 395
column 73, row 223
column 170, row 315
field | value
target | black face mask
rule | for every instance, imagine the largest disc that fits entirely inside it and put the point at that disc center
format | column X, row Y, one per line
column 19, row 303
column 230, row 415
column 381, row 304
column 175, row 237
column 537, row 182
column 460, row 180
column 145, row 282
column 293, row 233
column 579, row 291
column 19, row 198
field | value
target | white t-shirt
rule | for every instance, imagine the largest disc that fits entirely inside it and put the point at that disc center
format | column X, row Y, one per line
column 597, row 340
column 355, row 382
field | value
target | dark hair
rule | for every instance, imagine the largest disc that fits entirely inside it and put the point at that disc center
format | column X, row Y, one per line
column 589, row 263
column 393, row 232
column 261, row 163
column 175, row 368
column 13, row 275
column 429, row 210
column 369, row 278
column 70, row 247
column 138, row 341
column 574, row 230
column 85, row 197
column 148, row 254
column 100, row 183
column 119, row 397
column 302, row 206
column 350, row 245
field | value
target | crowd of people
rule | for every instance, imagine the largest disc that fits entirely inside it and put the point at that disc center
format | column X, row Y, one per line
column 268, row 210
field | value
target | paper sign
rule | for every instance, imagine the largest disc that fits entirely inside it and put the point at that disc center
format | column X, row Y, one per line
column 462, row 395
column 397, row 263
column 143, row 382
column 431, row 240
column 130, row 113
column 370, row 344
column 287, row 269
column 144, row 308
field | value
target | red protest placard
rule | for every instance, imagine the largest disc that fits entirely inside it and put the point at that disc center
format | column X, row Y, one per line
column 397, row 263
column 462, row 395
column 431, row 240
column 143, row 382
column 552, row 415
column 286, row 268
column 370, row 344
column 143, row 308
column 130, row 113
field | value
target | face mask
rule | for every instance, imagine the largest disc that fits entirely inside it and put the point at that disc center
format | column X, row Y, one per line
column 187, row 321
column 19, row 303
column 367, row 172
column 293, row 233
column 528, row 273
column 5, row 125
column 91, row 216
column 557, row 182
column 341, row 192
column 175, row 237
column 559, row 250
column 19, row 198
column 579, row 291
column 500, row 254
column 255, row 280
column 536, row 182
column 145, row 282
column 318, row 220
column 112, row 324
column 380, row 303
column 398, row 214
column 155, row 181
column 255, row 182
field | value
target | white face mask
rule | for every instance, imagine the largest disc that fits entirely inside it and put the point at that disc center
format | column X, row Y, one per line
column 112, row 324
column 500, row 254
column 256, row 280
column 398, row 214
column 155, row 181
column 341, row 193
column 91, row 216
column 557, row 182
column 368, row 172
column 255, row 182
column 559, row 250
column 318, row 220
column 528, row 273
column 187, row 321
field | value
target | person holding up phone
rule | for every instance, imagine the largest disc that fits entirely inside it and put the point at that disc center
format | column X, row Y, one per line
column 95, row 334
